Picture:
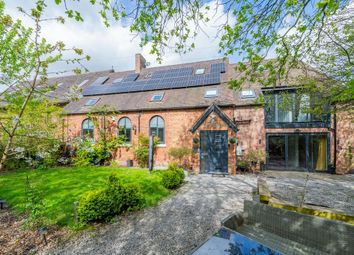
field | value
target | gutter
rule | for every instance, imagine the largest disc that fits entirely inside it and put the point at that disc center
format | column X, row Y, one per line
column 176, row 108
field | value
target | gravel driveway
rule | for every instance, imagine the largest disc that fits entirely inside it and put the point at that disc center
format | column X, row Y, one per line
column 176, row 226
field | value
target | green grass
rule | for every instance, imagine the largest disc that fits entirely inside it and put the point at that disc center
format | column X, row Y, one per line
column 62, row 186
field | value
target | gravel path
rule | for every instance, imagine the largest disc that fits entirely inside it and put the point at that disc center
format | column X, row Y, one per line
column 176, row 226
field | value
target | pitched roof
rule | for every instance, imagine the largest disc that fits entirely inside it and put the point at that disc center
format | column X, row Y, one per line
column 192, row 97
column 219, row 112
column 172, row 99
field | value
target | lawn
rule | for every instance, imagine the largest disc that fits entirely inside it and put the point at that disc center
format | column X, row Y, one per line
column 62, row 186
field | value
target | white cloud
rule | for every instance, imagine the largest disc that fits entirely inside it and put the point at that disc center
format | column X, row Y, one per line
column 115, row 45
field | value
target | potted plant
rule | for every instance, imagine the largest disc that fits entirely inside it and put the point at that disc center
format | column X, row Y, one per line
column 255, row 158
column 242, row 165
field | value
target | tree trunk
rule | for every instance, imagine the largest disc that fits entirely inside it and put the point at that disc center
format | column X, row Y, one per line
column 12, row 133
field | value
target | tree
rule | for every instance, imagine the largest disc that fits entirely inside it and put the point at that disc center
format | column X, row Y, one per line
column 36, row 139
column 292, row 31
column 25, row 56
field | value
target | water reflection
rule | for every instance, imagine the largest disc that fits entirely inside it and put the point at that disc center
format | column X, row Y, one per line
column 227, row 242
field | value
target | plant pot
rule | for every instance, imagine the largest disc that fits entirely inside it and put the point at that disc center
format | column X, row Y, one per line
column 129, row 163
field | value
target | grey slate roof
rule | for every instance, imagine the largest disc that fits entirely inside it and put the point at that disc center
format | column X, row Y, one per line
column 138, row 101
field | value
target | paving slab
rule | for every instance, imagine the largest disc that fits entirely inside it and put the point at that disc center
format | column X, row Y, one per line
column 330, row 192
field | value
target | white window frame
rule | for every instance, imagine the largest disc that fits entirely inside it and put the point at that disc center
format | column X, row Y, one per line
column 208, row 95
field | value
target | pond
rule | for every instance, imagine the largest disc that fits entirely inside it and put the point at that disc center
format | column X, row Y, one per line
column 227, row 242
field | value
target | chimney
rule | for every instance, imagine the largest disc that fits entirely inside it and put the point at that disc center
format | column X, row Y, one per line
column 140, row 62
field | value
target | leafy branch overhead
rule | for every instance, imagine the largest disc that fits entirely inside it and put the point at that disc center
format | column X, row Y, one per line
column 25, row 56
column 290, row 33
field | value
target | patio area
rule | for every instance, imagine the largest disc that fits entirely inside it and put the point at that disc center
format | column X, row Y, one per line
column 313, row 190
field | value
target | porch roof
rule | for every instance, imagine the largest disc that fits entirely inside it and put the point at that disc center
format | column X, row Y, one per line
column 219, row 112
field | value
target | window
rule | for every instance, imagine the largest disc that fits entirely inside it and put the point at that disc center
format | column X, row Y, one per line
column 87, row 129
column 211, row 93
column 125, row 129
column 91, row 101
column 83, row 83
column 200, row 71
column 147, row 76
column 298, row 151
column 290, row 107
column 157, row 97
column 248, row 93
column 157, row 128
column 117, row 80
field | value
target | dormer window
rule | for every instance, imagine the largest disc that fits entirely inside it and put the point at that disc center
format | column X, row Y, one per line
column 248, row 93
column 157, row 97
column 200, row 71
column 211, row 93
column 91, row 101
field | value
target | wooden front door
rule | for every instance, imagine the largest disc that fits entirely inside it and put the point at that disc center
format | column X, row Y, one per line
column 213, row 151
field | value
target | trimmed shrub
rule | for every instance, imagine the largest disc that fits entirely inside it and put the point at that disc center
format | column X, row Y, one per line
column 116, row 198
column 174, row 167
column 173, row 177
column 124, row 196
column 94, row 206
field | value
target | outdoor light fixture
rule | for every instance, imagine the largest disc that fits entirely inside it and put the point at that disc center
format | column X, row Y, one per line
column 2, row 204
column 43, row 231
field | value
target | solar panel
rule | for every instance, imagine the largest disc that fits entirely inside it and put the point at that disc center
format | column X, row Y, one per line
column 160, row 80
column 217, row 68
column 131, row 77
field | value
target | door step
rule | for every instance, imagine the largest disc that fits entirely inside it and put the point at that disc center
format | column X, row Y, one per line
column 218, row 174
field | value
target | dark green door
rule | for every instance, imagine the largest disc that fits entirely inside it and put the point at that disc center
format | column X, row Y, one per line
column 213, row 152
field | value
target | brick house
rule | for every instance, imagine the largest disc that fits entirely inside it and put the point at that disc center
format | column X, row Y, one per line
column 190, row 105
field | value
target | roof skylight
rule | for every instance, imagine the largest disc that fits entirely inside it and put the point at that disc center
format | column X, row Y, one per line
column 118, row 80
column 83, row 83
column 148, row 75
column 91, row 101
column 248, row 93
column 211, row 93
column 200, row 71
column 157, row 97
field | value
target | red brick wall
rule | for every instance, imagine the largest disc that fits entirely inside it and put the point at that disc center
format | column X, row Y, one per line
column 251, row 134
column 345, row 142
column 177, row 126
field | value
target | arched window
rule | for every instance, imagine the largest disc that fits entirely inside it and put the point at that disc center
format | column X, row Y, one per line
column 87, row 129
column 157, row 128
column 125, row 129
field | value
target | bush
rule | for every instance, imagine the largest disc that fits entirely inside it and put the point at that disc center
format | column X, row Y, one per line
column 141, row 151
column 125, row 196
column 180, row 154
column 94, row 206
column 88, row 153
column 174, row 167
column 173, row 177
column 116, row 198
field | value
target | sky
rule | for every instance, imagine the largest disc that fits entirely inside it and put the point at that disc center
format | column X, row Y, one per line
column 116, row 46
